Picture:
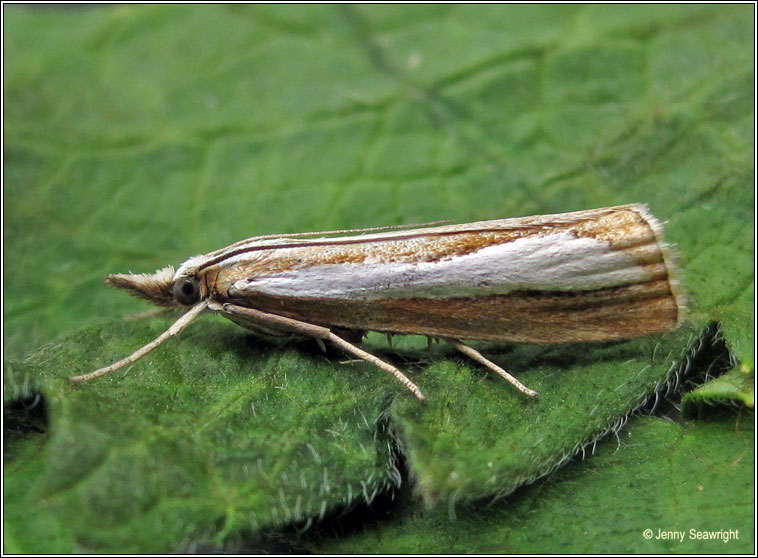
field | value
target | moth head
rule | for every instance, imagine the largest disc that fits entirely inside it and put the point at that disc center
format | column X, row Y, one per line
column 186, row 290
column 157, row 287
column 164, row 287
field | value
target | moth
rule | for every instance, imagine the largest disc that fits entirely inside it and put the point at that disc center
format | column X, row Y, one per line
column 596, row 275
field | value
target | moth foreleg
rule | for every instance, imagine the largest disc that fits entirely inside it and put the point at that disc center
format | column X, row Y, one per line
column 317, row 332
column 175, row 329
column 481, row 359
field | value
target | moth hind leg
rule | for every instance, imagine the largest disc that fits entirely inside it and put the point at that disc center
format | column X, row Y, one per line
column 481, row 359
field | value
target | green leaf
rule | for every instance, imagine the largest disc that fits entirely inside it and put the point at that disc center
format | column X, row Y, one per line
column 211, row 437
column 600, row 505
column 494, row 442
column 137, row 136
column 735, row 387
column 24, row 462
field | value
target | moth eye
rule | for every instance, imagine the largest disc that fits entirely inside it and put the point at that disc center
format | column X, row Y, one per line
column 187, row 290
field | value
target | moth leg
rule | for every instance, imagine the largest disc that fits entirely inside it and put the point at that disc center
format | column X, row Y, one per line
column 477, row 356
column 379, row 363
column 175, row 329
column 318, row 333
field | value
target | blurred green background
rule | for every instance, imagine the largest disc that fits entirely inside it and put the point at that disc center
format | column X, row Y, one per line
column 136, row 136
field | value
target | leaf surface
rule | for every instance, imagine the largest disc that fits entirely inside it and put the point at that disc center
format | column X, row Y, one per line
column 137, row 136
